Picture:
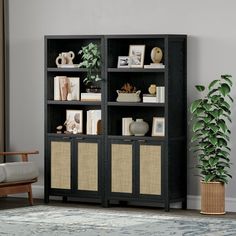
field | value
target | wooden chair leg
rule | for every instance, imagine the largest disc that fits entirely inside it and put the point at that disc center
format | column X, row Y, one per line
column 30, row 196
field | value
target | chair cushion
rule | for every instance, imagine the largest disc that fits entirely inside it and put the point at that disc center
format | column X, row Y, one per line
column 2, row 174
column 19, row 171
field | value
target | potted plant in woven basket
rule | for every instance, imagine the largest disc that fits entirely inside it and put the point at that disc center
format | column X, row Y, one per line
column 211, row 116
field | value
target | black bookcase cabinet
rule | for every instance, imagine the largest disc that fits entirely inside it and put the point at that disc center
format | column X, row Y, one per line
column 147, row 169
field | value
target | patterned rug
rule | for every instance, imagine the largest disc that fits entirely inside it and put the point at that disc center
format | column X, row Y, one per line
column 53, row 220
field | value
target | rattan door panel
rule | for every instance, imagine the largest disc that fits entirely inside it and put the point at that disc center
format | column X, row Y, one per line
column 88, row 166
column 61, row 165
column 121, row 168
column 150, row 169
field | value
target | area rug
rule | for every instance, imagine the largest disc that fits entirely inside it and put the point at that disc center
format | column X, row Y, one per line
column 54, row 220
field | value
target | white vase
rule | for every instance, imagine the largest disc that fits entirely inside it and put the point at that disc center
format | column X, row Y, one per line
column 139, row 127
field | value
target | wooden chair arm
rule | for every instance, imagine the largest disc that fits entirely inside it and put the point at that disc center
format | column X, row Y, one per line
column 24, row 155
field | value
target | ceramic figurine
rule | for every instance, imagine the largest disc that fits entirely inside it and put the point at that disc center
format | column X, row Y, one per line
column 156, row 55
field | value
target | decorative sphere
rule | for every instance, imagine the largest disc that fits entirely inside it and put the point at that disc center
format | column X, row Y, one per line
column 156, row 55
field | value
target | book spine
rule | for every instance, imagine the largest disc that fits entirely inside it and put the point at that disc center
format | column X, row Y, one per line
column 160, row 94
column 88, row 124
column 126, row 121
column 57, row 95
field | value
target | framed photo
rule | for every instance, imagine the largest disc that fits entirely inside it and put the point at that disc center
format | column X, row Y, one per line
column 158, row 126
column 136, row 54
column 74, row 121
column 123, row 62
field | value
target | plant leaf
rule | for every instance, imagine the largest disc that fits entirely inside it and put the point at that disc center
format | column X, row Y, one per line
column 213, row 140
column 198, row 125
column 200, row 88
column 212, row 84
column 226, row 78
column 224, row 89
column 195, row 105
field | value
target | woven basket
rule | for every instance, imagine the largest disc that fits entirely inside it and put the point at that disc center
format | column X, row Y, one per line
column 212, row 198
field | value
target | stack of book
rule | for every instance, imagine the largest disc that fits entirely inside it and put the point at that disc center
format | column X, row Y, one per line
column 154, row 66
column 93, row 125
column 149, row 98
column 126, row 121
column 159, row 97
column 90, row 96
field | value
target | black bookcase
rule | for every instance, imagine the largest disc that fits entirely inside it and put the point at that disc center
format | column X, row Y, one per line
column 144, row 170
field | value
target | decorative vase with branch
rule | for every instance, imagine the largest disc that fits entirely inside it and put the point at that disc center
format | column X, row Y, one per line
column 210, row 141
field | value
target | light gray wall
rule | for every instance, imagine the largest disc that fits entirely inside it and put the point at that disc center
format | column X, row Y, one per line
column 210, row 25
column 1, row 78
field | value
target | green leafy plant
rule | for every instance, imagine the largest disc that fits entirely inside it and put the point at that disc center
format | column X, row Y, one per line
column 91, row 57
column 211, row 115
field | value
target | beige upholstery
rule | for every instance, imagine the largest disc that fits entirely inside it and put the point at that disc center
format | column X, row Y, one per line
column 18, row 171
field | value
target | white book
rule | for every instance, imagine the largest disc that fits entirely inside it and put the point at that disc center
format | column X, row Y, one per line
column 93, row 117
column 57, row 93
column 90, row 96
column 74, row 88
column 154, row 66
column 160, row 94
column 126, row 121
column 149, row 101
column 88, row 123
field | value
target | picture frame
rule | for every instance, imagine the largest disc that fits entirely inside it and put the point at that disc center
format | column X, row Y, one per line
column 123, row 62
column 74, row 121
column 136, row 54
column 158, row 126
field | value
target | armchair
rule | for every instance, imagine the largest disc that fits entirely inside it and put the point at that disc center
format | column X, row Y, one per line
column 17, row 177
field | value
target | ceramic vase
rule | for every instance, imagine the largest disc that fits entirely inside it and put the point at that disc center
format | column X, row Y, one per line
column 139, row 127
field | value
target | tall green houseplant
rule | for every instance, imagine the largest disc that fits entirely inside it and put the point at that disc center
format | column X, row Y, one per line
column 211, row 115
column 91, row 60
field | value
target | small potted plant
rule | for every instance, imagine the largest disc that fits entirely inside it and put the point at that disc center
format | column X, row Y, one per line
column 128, row 93
column 211, row 115
column 91, row 60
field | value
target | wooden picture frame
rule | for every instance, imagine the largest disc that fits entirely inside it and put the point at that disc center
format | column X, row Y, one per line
column 136, row 54
column 123, row 62
column 74, row 121
column 158, row 126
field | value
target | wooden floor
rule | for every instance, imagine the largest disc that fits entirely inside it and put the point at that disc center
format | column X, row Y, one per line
column 11, row 203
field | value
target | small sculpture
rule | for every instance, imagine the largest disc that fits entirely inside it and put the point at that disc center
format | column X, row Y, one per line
column 65, row 58
column 152, row 89
column 156, row 55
